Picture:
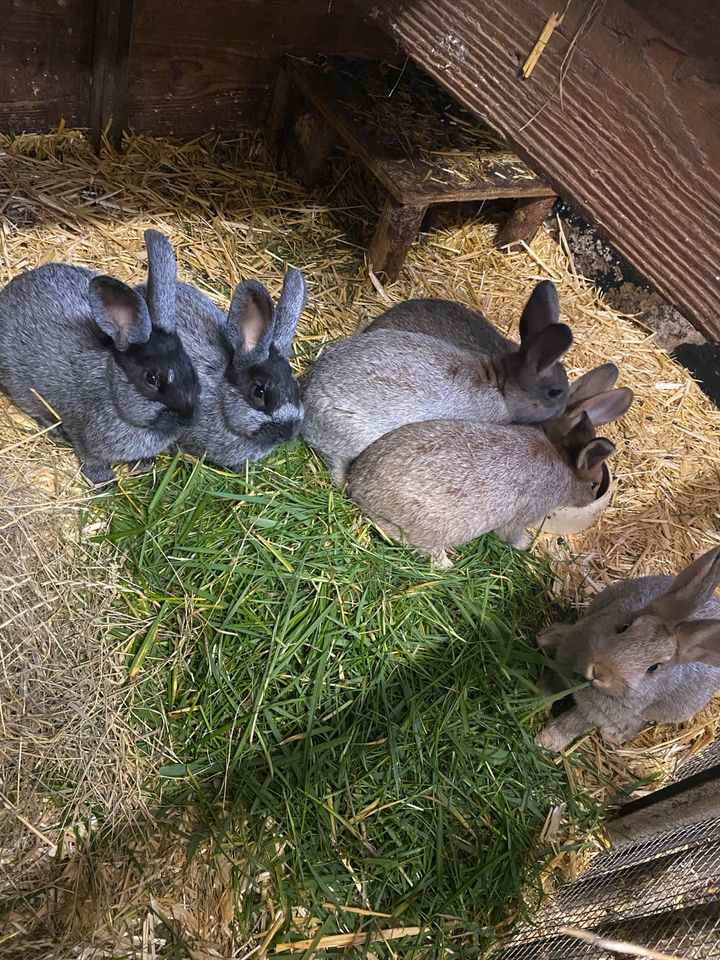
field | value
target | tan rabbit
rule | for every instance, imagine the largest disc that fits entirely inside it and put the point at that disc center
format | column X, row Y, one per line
column 650, row 649
column 442, row 483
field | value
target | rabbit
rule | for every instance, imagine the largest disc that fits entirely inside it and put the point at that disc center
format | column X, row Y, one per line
column 650, row 648
column 467, row 328
column 249, row 401
column 103, row 358
column 365, row 386
column 442, row 483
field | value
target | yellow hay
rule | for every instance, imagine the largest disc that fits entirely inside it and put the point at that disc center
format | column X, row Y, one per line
column 230, row 216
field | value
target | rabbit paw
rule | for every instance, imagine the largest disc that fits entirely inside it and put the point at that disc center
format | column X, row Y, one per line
column 441, row 559
column 552, row 739
column 97, row 473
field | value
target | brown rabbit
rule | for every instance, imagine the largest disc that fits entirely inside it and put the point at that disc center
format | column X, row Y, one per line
column 441, row 483
column 650, row 648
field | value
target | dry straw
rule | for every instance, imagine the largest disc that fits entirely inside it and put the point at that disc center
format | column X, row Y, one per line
column 229, row 216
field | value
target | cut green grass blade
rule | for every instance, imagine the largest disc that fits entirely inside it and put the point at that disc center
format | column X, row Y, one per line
column 345, row 719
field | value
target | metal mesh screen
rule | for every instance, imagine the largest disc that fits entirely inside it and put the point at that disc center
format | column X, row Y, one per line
column 661, row 893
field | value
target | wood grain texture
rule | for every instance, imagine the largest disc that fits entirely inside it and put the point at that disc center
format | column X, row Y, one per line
column 45, row 62
column 630, row 133
column 204, row 65
column 413, row 180
column 109, row 87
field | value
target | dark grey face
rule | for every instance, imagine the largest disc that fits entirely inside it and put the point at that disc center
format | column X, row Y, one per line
column 161, row 370
column 266, row 385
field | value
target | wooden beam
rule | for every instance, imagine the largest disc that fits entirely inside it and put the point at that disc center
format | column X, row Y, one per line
column 620, row 115
column 109, row 84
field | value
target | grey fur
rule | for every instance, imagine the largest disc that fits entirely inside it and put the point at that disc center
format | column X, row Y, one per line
column 442, row 483
column 233, row 356
column 469, row 329
column 628, row 628
column 68, row 347
column 365, row 386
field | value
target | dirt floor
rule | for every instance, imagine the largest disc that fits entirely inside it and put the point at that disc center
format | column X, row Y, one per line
column 626, row 290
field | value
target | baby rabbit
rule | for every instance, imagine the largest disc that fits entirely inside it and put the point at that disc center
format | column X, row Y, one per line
column 250, row 401
column 366, row 385
column 104, row 357
column 442, row 483
column 467, row 328
column 650, row 648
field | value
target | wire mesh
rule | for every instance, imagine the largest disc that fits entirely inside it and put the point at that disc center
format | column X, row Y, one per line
column 661, row 893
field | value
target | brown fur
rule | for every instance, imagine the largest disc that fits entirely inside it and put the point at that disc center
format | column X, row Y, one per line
column 442, row 483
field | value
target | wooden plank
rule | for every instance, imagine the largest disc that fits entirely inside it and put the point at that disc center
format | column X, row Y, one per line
column 527, row 217
column 210, row 65
column 109, row 90
column 410, row 180
column 45, row 60
column 628, row 128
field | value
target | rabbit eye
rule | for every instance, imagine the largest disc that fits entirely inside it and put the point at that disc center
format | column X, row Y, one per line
column 554, row 394
column 152, row 378
column 593, row 486
column 653, row 668
column 622, row 628
column 259, row 391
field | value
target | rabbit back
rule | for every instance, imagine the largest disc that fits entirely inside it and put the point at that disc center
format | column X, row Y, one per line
column 443, row 483
column 445, row 320
column 364, row 387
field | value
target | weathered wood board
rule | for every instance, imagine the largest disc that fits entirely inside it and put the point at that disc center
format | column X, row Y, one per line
column 621, row 115
column 45, row 63
column 204, row 65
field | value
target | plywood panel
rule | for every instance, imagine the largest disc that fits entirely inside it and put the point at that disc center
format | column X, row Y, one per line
column 202, row 65
column 45, row 62
column 629, row 128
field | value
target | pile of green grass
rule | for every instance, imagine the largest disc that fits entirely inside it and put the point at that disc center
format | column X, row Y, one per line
column 346, row 721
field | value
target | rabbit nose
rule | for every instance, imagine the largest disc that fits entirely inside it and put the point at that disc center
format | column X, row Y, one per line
column 603, row 678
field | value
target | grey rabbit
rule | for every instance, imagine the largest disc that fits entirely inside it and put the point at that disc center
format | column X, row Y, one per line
column 365, row 386
column 650, row 649
column 101, row 356
column 442, row 483
column 250, row 400
column 466, row 328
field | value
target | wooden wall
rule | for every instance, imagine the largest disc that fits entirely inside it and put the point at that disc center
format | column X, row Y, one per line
column 194, row 65
column 199, row 65
column 45, row 63
column 621, row 116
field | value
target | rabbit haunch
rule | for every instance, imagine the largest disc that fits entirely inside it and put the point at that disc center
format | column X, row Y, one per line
column 650, row 648
column 101, row 356
column 250, row 400
column 439, row 484
column 370, row 384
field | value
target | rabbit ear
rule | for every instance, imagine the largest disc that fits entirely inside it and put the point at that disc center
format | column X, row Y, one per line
column 595, row 453
column 595, row 381
column 162, row 280
column 605, row 407
column 690, row 589
column 575, row 439
column 699, row 640
column 119, row 311
column 290, row 307
column 543, row 350
column 249, row 325
column 542, row 309
column 549, row 638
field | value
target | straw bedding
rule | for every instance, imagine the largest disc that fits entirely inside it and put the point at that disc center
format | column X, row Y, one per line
column 229, row 216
